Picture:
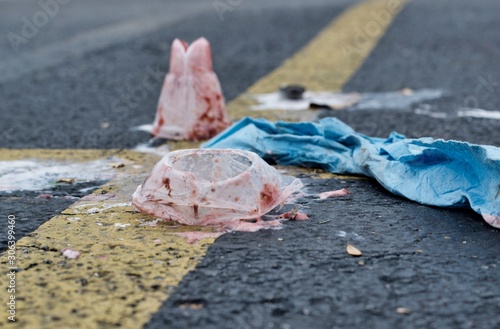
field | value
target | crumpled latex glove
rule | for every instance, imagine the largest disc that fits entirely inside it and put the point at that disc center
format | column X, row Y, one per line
column 206, row 187
column 191, row 104
column 432, row 172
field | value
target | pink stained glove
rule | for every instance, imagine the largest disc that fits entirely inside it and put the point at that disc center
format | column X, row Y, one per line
column 191, row 104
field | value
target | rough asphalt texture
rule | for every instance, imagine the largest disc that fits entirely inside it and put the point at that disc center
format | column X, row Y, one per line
column 31, row 210
column 426, row 48
column 443, row 265
column 440, row 264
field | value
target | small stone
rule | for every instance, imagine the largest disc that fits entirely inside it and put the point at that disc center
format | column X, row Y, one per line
column 353, row 251
column 403, row 310
column 407, row 91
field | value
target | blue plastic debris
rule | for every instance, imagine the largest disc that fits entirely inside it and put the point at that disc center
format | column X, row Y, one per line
column 432, row 172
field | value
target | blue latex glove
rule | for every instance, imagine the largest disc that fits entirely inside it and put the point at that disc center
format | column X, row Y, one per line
column 433, row 172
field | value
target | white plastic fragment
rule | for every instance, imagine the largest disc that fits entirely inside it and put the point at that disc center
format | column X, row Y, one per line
column 120, row 225
column 191, row 104
column 70, row 253
column 213, row 186
column 329, row 194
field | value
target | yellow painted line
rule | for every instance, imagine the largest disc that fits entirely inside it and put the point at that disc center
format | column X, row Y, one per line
column 126, row 269
column 328, row 61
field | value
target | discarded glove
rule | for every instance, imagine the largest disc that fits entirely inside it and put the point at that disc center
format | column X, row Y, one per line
column 204, row 187
column 432, row 172
column 191, row 104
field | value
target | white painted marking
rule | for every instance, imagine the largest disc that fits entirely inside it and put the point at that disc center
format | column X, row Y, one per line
column 276, row 101
column 479, row 113
column 435, row 115
column 33, row 175
column 392, row 100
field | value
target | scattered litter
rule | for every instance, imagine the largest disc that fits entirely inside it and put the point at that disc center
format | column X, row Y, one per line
column 291, row 215
column 120, row 225
column 253, row 225
column 403, row 310
column 292, row 91
column 104, row 207
column 70, row 253
column 214, row 187
column 146, row 128
column 66, row 180
column 353, row 251
column 45, row 196
column 433, row 172
column 191, row 104
column 394, row 100
column 479, row 113
column 407, row 91
column 329, row 194
column 276, row 101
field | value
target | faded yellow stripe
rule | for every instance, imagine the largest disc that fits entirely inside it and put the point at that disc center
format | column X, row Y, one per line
column 126, row 272
column 328, row 61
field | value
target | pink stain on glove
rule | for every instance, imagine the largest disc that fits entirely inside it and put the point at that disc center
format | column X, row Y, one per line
column 191, row 104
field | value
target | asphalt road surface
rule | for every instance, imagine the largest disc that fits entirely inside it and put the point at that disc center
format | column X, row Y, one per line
column 76, row 82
